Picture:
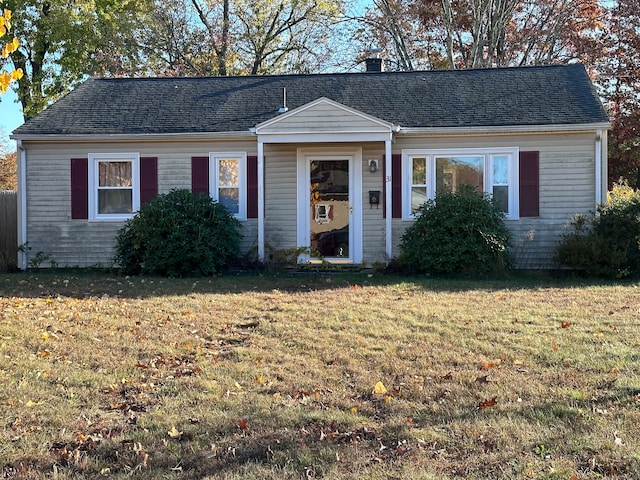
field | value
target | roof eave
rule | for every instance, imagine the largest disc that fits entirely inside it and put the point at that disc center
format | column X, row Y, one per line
column 76, row 137
column 505, row 129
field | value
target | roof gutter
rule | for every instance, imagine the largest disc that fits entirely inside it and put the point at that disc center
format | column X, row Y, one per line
column 109, row 137
column 504, row 129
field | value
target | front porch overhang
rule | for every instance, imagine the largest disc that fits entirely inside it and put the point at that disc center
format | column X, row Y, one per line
column 324, row 121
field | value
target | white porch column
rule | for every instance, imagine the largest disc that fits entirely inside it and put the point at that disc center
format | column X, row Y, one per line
column 387, row 201
column 260, row 201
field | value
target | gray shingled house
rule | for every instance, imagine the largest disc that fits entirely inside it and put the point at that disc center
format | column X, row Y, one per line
column 337, row 162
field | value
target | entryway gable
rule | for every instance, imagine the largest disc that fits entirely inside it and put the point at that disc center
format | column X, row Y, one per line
column 324, row 118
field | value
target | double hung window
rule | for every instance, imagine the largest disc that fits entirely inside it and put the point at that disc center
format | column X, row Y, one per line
column 228, row 182
column 114, row 186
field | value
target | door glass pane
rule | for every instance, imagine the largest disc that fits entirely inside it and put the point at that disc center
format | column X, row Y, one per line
column 330, row 208
column 452, row 172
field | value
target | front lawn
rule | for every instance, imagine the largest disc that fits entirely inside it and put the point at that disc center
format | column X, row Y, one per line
column 317, row 376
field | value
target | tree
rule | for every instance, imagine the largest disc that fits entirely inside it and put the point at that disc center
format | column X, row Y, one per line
column 619, row 77
column 488, row 33
column 8, row 175
column 6, row 77
column 64, row 42
column 240, row 37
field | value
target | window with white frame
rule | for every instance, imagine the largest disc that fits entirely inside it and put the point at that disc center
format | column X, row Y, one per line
column 427, row 173
column 228, row 181
column 114, row 186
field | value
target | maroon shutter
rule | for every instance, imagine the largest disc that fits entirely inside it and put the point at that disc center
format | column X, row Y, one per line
column 148, row 179
column 200, row 175
column 529, row 169
column 252, row 186
column 396, row 185
column 79, row 188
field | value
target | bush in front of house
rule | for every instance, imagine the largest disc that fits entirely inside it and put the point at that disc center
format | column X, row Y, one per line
column 178, row 234
column 457, row 233
column 607, row 244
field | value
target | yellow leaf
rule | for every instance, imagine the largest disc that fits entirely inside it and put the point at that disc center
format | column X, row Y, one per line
column 388, row 399
column 260, row 379
column 31, row 403
column 353, row 410
column 174, row 433
column 379, row 389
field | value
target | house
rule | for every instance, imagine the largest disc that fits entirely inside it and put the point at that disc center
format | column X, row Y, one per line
column 338, row 162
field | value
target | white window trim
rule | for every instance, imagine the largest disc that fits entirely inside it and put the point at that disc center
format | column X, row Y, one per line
column 214, row 169
column 488, row 153
column 94, row 160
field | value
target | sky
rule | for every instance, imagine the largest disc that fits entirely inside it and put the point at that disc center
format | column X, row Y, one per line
column 10, row 117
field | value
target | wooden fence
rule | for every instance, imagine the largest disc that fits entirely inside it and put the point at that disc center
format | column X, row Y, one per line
column 8, row 229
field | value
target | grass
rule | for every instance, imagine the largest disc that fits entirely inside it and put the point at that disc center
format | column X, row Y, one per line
column 276, row 377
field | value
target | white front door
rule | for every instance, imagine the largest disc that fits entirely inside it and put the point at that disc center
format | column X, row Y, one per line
column 329, row 206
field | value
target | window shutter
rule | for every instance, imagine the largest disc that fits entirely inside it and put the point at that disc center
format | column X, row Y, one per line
column 252, row 186
column 200, row 175
column 529, row 169
column 79, row 188
column 396, row 186
column 148, row 179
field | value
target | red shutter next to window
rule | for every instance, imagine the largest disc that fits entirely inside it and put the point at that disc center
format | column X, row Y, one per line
column 79, row 188
column 252, row 186
column 200, row 175
column 148, row 179
column 529, row 168
column 396, row 186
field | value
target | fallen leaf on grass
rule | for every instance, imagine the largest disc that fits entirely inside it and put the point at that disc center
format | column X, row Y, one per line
column 492, row 364
column 174, row 433
column 487, row 403
column 483, row 379
column 243, row 424
column 379, row 389
column 565, row 325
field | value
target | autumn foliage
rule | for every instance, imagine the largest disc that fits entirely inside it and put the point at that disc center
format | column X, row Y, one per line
column 7, row 49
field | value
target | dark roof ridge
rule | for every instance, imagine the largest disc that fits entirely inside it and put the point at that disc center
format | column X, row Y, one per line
column 328, row 74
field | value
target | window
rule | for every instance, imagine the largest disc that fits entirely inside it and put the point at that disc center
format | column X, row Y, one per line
column 114, row 186
column 430, row 172
column 228, row 182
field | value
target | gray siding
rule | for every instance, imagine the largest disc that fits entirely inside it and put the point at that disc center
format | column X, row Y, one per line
column 567, row 179
column 68, row 242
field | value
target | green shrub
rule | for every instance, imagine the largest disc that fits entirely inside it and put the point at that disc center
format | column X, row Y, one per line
column 462, row 232
column 178, row 234
column 607, row 244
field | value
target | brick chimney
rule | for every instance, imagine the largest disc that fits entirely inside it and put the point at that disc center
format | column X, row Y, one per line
column 373, row 64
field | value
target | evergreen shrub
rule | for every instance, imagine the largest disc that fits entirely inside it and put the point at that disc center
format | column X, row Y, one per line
column 457, row 233
column 178, row 234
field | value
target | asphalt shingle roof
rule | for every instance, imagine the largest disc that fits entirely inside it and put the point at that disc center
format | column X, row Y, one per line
column 545, row 95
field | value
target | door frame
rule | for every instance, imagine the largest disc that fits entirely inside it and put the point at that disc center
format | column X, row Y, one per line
column 304, row 158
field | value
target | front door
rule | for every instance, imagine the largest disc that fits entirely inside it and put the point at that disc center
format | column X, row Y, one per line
column 330, row 212
column 329, row 215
